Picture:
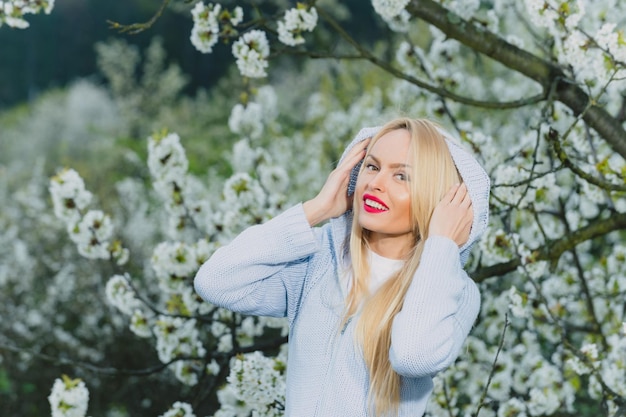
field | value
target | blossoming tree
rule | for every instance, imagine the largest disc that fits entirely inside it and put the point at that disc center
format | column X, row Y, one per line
column 534, row 88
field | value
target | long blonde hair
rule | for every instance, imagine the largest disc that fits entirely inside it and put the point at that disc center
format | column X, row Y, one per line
column 433, row 173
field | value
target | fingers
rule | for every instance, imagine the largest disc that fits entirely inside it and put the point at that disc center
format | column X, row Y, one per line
column 341, row 174
column 355, row 154
column 332, row 200
column 458, row 195
column 454, row 215
column 462, row 196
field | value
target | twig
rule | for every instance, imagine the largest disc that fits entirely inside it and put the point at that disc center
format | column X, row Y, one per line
column 447, row 397
column 493, row 367
column 135, row 28
column 588, row 297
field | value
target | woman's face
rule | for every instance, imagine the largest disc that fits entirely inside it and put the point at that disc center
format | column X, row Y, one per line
column 383, row 197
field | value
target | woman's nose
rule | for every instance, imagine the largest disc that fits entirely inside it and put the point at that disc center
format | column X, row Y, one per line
column 377, row 182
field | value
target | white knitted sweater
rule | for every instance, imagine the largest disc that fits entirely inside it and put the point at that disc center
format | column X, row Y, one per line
column 287, row 268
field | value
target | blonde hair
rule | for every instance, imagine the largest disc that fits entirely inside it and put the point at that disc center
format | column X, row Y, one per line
column 433, row 173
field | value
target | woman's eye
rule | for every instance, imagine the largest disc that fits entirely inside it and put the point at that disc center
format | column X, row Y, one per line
column 371, row 167
column 401, row 176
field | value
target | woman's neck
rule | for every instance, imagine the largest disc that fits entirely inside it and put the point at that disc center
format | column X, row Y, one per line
column 390, row 247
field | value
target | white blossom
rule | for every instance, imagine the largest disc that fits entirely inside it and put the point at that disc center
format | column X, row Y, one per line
column 92, row 235
column 230, row 404
column 258, row 382
column 251, row 119
column 205, row 31
column 464, row 8
column 139, row 324
column 183, row 195
column 225, row 343
column 177, row 337
column 498, row 246
column 268, row 99
column 251, row 51
column 213, row 367
column 69, row 398
column 203, row 38
column 119, row 253
column 508, row 183
column 247, row 120
column 236, row 17
column 512, row 408
column 121, row 294
column 540, row 15
column 400, row 23
column 388, row 9
column 273, row 178
column 501, row 383
column 203, row 250
column 241, row 190
column 543, row 401
column 69, row 195
column 12, row 11
column 590, row 350
column 166, row 159
column 186, row 372
column 410, row 58
column 244, row 157
column 517, row 304
column 578, row 366
column 179, row 409
column 173, row 262
column 296, row 21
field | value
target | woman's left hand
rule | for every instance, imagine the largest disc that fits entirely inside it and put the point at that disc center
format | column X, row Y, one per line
column 453, row 215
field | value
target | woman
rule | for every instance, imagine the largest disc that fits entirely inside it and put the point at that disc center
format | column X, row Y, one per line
column 376, row 298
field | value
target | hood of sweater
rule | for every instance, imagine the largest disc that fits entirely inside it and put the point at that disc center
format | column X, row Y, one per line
column 473, row 174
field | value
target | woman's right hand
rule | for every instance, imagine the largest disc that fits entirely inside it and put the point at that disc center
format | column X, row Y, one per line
column 333, row 200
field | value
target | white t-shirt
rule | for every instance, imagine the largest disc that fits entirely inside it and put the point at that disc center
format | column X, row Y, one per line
column 381, row 269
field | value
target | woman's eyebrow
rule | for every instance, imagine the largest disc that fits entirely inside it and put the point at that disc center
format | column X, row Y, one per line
column 394, row 165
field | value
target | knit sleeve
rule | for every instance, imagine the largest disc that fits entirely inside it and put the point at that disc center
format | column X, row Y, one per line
column 262, row 270
column 439, row 310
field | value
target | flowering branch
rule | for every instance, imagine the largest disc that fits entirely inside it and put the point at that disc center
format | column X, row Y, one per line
column 553, row 250
column 366, row 55
column 540, row 70
column 614, row 396
column 553, row 139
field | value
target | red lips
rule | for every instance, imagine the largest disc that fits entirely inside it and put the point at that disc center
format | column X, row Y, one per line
column 378, row 207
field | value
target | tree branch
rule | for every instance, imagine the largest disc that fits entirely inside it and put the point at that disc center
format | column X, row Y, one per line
column 384, row 65
column 135, row 28
column 553, row 250
column 553, row 138
column 544, row 72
